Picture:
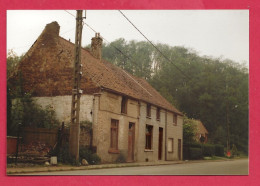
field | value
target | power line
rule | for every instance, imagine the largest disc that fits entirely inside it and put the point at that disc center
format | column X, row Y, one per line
column 118, row 51
column 154, row 46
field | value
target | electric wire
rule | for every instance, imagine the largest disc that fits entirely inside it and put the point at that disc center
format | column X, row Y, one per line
column 118, row 51
column 155, row 46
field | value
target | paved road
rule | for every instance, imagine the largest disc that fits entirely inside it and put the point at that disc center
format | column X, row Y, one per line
column 234, row 167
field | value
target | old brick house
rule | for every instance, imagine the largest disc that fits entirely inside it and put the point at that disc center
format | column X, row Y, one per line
column 128, row 116
column 201, row 132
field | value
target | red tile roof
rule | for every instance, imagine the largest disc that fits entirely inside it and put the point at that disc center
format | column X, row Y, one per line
column 48, row 65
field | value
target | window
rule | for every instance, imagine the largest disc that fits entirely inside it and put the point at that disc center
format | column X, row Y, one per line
column 148, row 110
column 148, row 137
column 114, row 135
column 158, row 113
column 170, row 144
column 124, row 105
column 174, row 119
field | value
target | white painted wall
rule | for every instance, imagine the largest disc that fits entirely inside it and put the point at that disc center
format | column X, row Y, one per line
column 62, row 106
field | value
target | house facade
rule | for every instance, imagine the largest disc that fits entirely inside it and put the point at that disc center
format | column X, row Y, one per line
column 129, row 117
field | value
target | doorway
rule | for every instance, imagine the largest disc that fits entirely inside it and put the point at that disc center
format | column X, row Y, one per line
column 160, row 143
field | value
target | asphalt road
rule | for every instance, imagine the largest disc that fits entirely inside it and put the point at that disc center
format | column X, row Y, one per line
column 233, row 167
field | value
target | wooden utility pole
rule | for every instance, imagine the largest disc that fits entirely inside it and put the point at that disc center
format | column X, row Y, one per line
column 76, row 92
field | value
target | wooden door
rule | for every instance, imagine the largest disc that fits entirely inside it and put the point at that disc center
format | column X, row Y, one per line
column 179, row 149
column 160, row 143
column 131, row 142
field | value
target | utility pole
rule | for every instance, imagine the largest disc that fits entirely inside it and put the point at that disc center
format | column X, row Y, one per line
column 76, row 92
column 227, row 120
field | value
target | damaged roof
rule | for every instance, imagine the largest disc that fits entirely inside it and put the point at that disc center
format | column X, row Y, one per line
column 47, row 70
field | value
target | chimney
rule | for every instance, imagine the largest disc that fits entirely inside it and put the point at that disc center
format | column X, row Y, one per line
column 52, row 29
column 50, row 34
column 96, row 46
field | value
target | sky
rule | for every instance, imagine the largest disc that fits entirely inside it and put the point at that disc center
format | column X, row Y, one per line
column 216, row 33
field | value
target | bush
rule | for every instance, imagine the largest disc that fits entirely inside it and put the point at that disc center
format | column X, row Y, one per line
column 195, row 145
column 195, row 153
column 219, row 150
column 87, row 154
column 120, row 158
column 64, row 155
column 208, row 150
column 84, row 153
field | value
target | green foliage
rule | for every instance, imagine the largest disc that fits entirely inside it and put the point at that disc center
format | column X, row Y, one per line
column 208, row 150
column 196, row 145
column 189, row 131
column 21, row 108
column 234, row 151
column 205, row 150
column 219, row 150
column 87, row 154
column 64, row 155
column 84, row 153
column 26, row 111
column 195, row 153
column 121, row 158
column 12, row 61
column 87, row 124
column 140, row 56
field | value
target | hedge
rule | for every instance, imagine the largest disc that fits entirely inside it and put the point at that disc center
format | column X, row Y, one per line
column 219, row 150
column 208, row 150
column 195, row 153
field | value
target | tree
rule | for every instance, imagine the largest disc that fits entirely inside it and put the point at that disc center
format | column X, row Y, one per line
column 21, row 108
column 189, row 131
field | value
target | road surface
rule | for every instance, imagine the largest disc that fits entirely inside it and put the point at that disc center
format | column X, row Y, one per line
column 233, row 167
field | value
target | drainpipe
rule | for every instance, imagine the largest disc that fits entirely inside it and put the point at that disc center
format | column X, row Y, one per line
column 166, row 135
column 137, row 129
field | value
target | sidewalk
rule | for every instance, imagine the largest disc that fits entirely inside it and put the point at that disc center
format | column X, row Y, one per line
column 16, row 170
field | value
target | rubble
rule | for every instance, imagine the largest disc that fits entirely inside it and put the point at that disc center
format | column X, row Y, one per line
column 35, row 153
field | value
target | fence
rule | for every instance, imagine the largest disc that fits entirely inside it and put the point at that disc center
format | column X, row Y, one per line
column 48, row 136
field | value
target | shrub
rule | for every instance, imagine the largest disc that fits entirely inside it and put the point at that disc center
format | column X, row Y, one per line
column 186, row 155
column 86, row 153
column 64, row 155
column 195, row 145
column 195, row 153
column 208, row 150
column 219, row 150
column 120, row 158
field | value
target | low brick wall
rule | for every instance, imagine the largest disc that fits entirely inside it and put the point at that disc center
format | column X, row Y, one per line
column 11, row 144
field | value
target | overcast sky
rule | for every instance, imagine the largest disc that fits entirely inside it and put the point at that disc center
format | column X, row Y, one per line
column 216, row 33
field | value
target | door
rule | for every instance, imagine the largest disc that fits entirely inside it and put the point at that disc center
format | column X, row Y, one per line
column 131, row 140
column 160, row 144
column 179, row 149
